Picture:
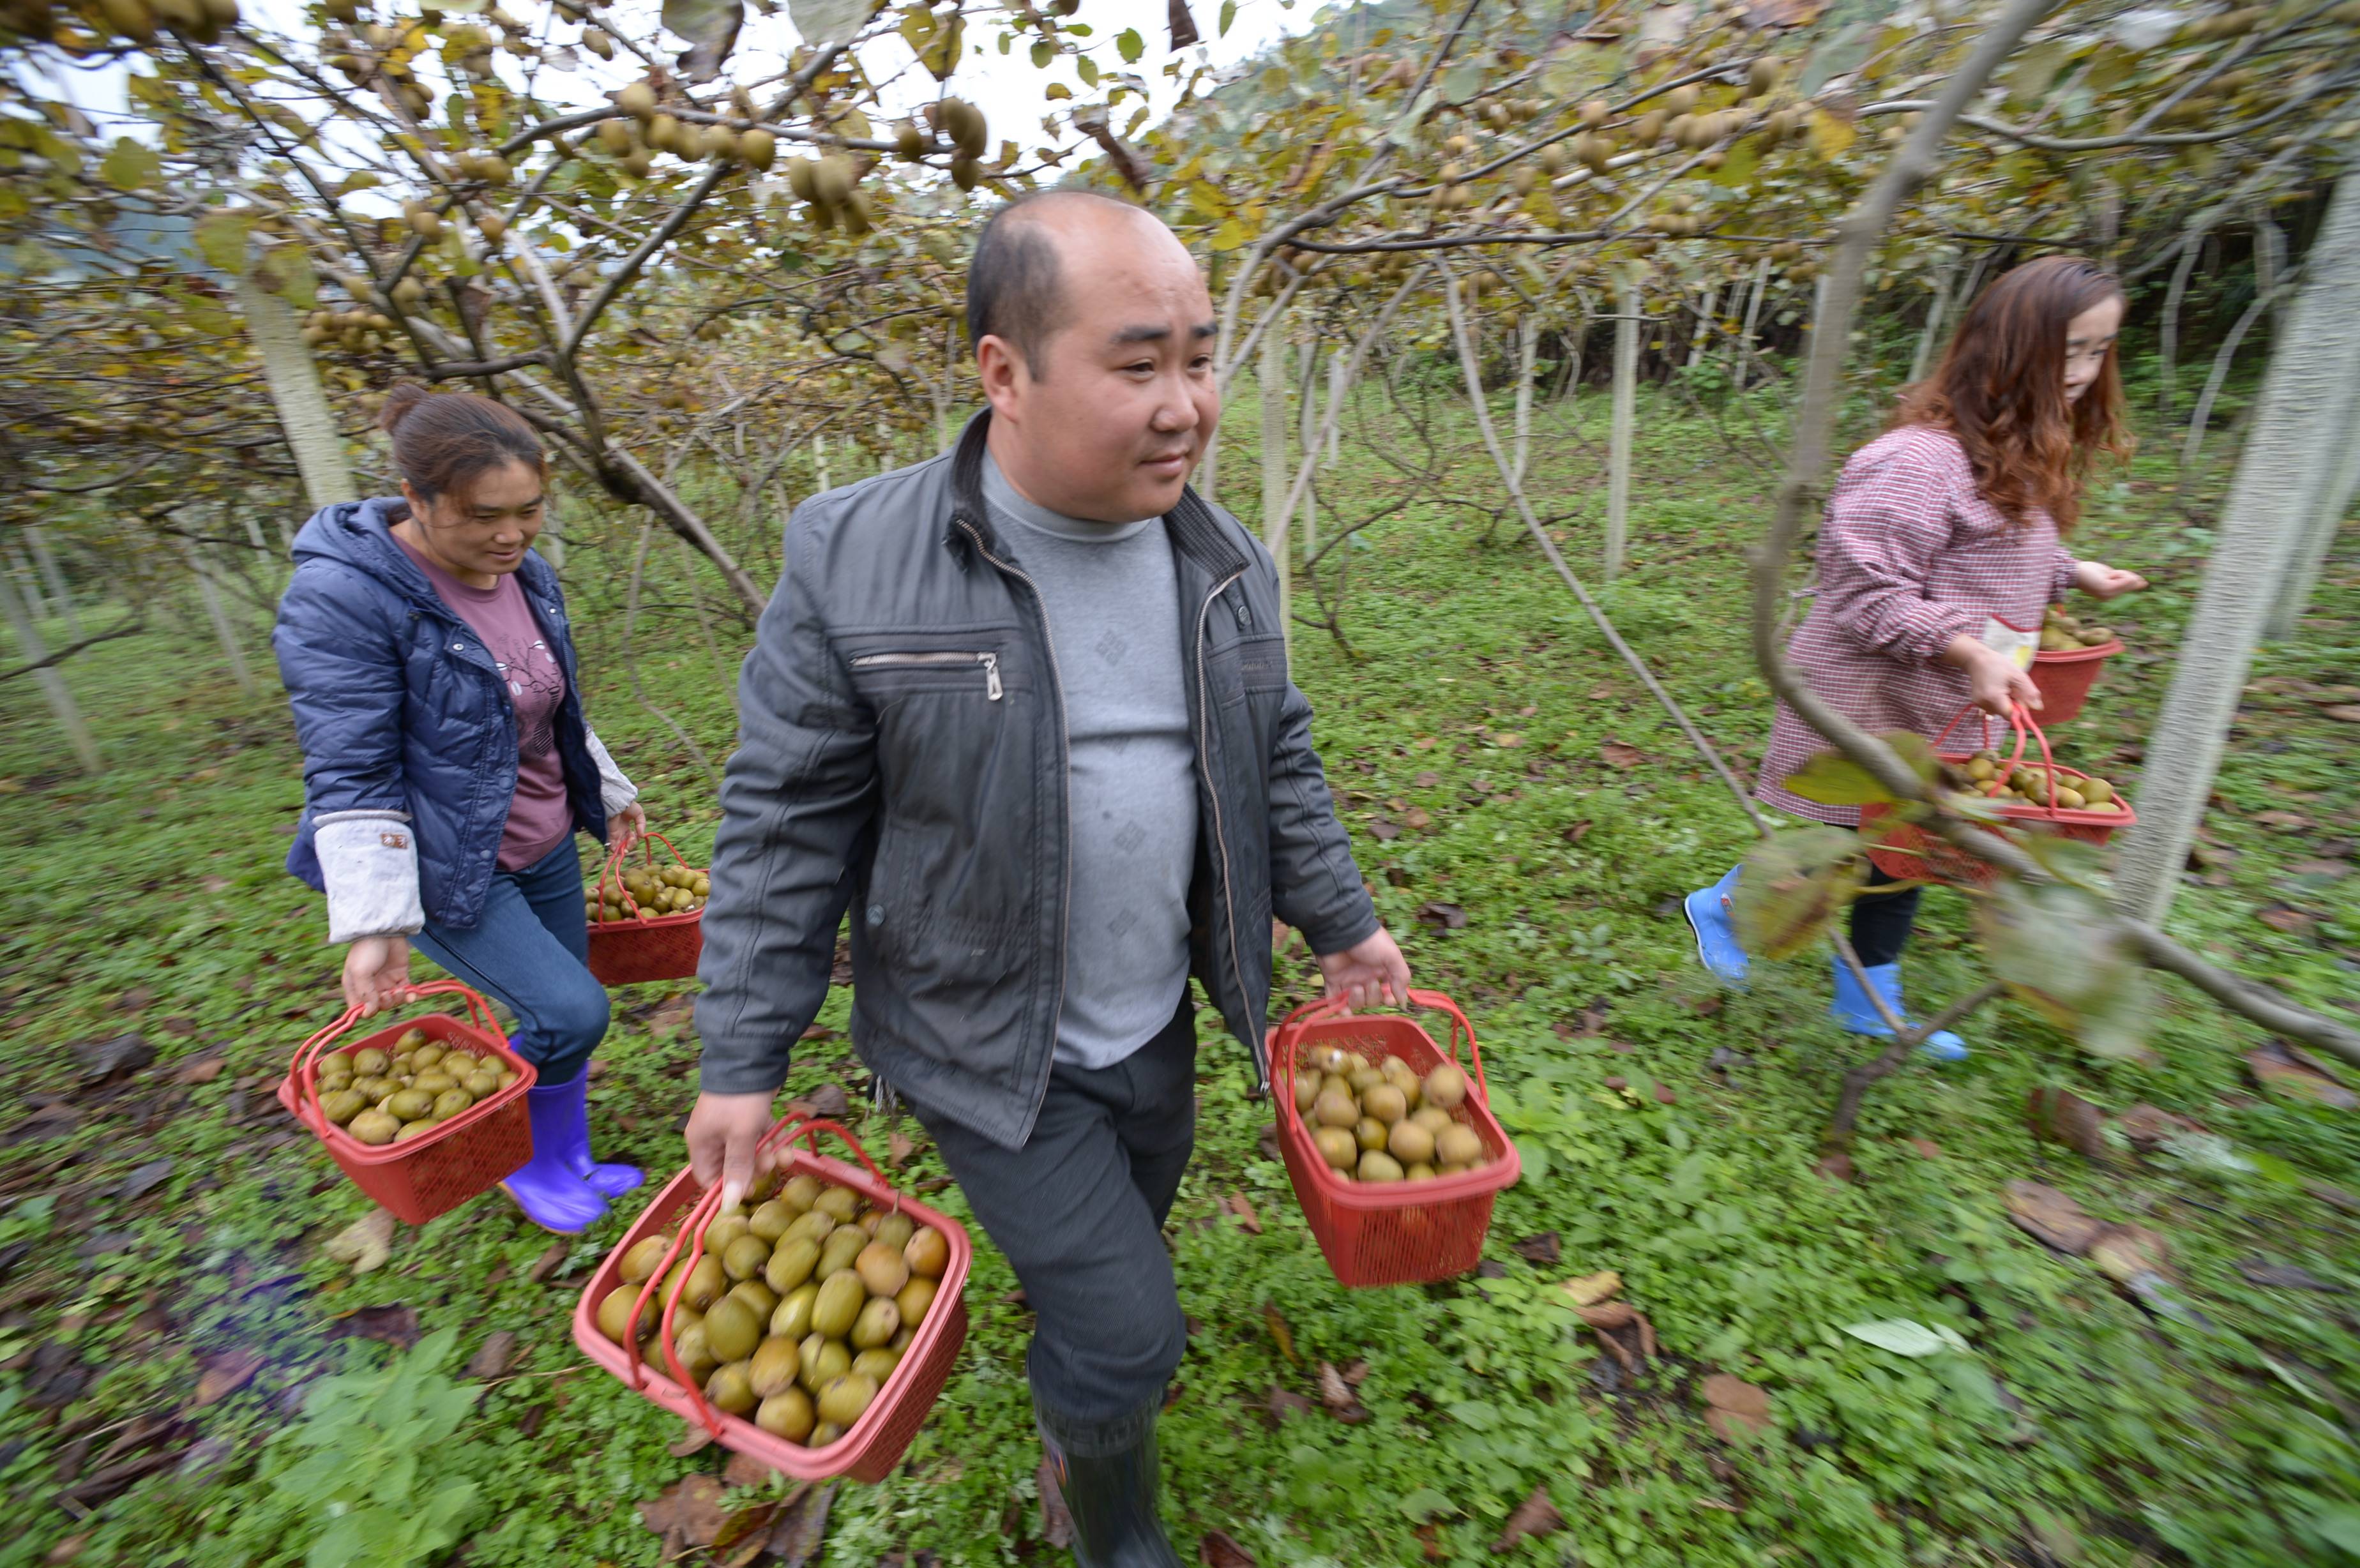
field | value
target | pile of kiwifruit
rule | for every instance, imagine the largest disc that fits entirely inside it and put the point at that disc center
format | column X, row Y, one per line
column 798, row 1311
column 2036, row 783
column 2061, row 633
column 666, row 892
column 379, row 1097
column 1378, row 1121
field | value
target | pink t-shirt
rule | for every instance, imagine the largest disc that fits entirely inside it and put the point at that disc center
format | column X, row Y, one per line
column 540, row 816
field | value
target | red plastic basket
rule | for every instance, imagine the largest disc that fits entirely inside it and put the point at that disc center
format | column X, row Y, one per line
column 2063, row 679
column 1393, row 1233
column 1908, row 851
column 647, row 947
column 436, row 1172
column 878, row 1440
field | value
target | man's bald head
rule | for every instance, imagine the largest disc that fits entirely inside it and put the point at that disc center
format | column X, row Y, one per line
column 1016, row 282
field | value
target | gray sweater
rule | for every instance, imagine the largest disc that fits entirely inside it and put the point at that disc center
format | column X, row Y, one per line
column 1113, row 604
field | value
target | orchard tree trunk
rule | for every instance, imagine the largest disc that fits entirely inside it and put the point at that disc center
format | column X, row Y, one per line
column 29, row 589
column 303, row 412
column 2289, row 465
column 1307, row 433
column 1340, row 386
column 1741, row 354
column 60, row 594
column 1528, row 342
column 53, row 684
column 1703, row 334
column 1618, row 461
column 214, row 612
column 2309, row 553
column 1923, row 360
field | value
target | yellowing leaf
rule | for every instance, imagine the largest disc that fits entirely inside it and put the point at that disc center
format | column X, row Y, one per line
column 1829, row 137
column 221, row 239
column 130, row 164
column 1589, row 1290
column 1230, row 236
column 1793, row 884
column 365, row 1244
column 1834, row 780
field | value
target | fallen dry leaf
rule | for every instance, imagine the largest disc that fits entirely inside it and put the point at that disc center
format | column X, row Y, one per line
column 1280, row 1333
column 2147, row 1126
column 1926, row 1148
column 203, row 1071
column 1442, row 917
column 1384, row 832
column 2050, row 1217
column 1248, row 1221
column 1417, row 818
column 1621, row 755
column 396, row 1325
column 494, row 1357
column 1544, row 1249
column 1282, row 1403
column 225, row 1374
column 694, row 1439
column 1735, row 1405
column 365, row 1244
column 692, row 1506
column 1056, row 1521
column 2276, row 1067
column 1588, row 1289
column 898, row 1149
column 2062, row 1116
column 801, row 1525
column 1357, row 1373
column 2123, row 1252
column 2348, row 712
column 547, row 1265
column 745, row 1470
column 1267, row 1142
column 2285, row 1277
column 1535, row 1516
column 829, row 1100
column 1336, row 1395
column 2287, row 922
column 1217, row 1550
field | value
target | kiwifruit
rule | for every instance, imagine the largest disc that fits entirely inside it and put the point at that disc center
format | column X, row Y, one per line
column 699, row 1287
column 757, row 149
column 450, row 1102
column 824, row 1433
column 774, row 1366
column 789, row 1414
column 481, row 1083
column 374, row 1127
column 1410, row 1143
column 895, row 1230
column 744, row 1257
column 1433, row 1118
column 492, row 226
column 842, row 1203
column 418, row 1129
column 771, row 1221
column 729, row 1388
column 697, row 1358
column 1370, row 1133
column 664, row 136
column 843, row 1245
column 1458, row 1145
column 813, row 1225
column 1338, row 1147
column 370, row 1062
column 909, row 142
column 615, row 1313
column 1306, row 1093
column 1333, row 1059
column 637, row 100
column 615, row 135
column 1363, row 1079
column 732, row 1328
column 2095, row 790
column 882, row 1269
column 644, row 1256
column 840, row 1296
column 1681, row 100
column 915, row 1300
column 901, row 1345
column 793, row 1315
column 1376, row 1165
column 1446, row 1087
column 843, row 1399
column 1417, row 1172
column 340, row 1105
column 758, row 1298
column 1386, row 1103
column 1335, row 1109
column 927, row 1253
column 869, row 1221
column 821, row 1358
column 791, row 1263
column 876, row 1362
column 879, row 1322
column 409, row 1103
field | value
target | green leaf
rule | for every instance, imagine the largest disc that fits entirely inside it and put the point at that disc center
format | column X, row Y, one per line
column 220, row 237
column 825, row 22
column 1834, row 780
column 1231, row 235
column 2053, row 945
column 1532, row 1157
column 1794, row 884
column 1424, row 1504
column 1917, row 751
column 1840, row 54
column 286, row 271
column 1463, row 81
column 130, row 164
column 1130, row 45
column 710, row 27
column 1229, row 15
column 1087, row 69
column 1044, row 51
column 1906, row 1336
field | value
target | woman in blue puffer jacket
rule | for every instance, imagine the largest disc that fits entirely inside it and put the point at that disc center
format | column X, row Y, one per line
column 446, row 763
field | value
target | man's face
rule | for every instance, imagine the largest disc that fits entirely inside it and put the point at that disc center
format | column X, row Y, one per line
column 1111, row 421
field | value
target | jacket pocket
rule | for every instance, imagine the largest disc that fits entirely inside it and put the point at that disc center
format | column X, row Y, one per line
column 984, row 661
column 1246, row 666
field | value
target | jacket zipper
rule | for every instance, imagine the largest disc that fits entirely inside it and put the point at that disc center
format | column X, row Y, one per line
column 990, row 662
column 1221, row 837
column 1065, row 783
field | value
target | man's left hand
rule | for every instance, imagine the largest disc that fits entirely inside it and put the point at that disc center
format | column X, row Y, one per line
column 1370, row 972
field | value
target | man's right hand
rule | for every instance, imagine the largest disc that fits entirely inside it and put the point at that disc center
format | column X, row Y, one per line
column 722, row 1133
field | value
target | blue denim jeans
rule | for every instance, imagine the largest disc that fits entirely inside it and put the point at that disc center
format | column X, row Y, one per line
column 531, row 949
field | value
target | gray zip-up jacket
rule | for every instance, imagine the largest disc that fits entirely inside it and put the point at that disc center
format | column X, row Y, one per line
column 902, row 755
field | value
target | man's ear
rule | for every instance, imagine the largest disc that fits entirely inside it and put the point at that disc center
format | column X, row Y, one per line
column 1000, row 367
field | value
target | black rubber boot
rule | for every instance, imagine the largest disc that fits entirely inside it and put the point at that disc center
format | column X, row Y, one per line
column 1108, row 1473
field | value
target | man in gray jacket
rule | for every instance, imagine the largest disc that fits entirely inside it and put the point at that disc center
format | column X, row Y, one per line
column 1024, row 711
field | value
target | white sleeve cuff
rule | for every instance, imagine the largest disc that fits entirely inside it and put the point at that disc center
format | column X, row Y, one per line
column 369, row 862
column 615, row 790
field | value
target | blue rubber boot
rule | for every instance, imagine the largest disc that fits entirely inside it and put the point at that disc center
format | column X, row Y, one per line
column 612, row 1180
column 1854, row 1010
column 1716, row 934
column 546, row 1189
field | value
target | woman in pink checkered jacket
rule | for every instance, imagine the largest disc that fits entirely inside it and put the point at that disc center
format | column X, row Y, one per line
column 1940, row 549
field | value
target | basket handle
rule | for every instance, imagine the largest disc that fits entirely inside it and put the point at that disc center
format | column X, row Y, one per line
column 2026, row 728
column 1284, row 1041
column 307, row 1055
column 620, row 851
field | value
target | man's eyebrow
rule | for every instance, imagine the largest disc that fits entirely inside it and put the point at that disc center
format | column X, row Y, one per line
column 1158, row 331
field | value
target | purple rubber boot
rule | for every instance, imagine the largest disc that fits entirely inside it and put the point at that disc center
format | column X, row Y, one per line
column 573, row 1141
column 546, row 1189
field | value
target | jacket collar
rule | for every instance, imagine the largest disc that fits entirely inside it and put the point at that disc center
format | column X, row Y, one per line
column 360, row 535
column 1195, row 532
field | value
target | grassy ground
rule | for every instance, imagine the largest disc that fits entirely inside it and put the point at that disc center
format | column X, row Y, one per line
column 169, row 1311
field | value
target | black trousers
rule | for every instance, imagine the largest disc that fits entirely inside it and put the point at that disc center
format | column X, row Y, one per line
column 1881, row 922
column 1079, row 1211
